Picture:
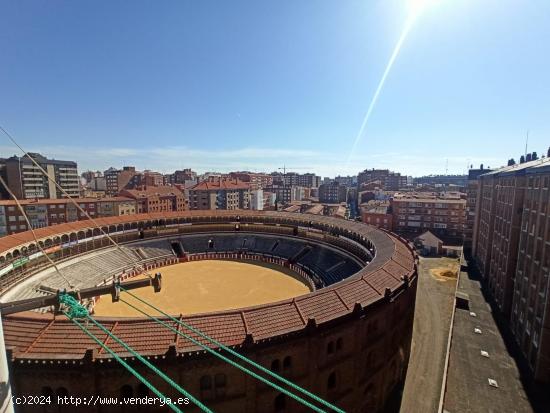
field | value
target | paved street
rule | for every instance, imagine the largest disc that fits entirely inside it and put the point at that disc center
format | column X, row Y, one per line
column 434, row 303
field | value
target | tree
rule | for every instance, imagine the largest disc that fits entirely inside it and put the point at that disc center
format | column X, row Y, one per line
column 534, row 156
column 548, row 152
column 511, row 162
column 528, row 158
column 522, row 159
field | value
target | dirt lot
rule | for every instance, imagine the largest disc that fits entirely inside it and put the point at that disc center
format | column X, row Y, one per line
column 211, row 285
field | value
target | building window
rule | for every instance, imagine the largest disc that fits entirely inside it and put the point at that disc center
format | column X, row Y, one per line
column 126, row 391
column 279, row 403
column 62, row 392
column 330, row 347
column 331, row 382
column 47, row 391
column 287, row 363
column 219, row 380
column 142, row 390
column 275, row 365
column 205, row 383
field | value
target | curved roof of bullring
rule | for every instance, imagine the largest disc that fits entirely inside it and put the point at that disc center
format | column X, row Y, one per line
column 45, row 337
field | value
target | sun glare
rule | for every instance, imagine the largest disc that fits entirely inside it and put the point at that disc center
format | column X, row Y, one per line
column 418, row 6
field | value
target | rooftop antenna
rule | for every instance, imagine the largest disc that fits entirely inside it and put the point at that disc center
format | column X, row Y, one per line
column 447, row 166
column 526, row 142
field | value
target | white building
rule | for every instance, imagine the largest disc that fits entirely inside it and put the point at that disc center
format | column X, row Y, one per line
column 257, row 200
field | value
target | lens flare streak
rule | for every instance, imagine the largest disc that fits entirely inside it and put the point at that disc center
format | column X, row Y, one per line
column 406, row 29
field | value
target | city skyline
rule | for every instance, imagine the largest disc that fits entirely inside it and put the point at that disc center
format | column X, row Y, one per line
column 257, row 87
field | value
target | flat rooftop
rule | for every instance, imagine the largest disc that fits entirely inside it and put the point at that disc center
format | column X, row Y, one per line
column 469, row 372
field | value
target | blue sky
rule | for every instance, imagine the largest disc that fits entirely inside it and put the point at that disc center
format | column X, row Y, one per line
column 219, row 85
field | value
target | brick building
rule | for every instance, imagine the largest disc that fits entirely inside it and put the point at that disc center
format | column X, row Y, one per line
column 511, row 246
column 118, row 179
column 472, row 188
column 220, row 193
column 283, row 194
column 27, row 181
column 377, row 213
column 418, row 212
column 333, row 193
column 46, row 212
column 151, row 178
column 256, row 180
column 308, row 180
column 389, row 181
column 182, row 176
column 157, row 199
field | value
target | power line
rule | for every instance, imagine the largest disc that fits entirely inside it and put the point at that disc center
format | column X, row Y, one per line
column 78, row 311
column 22, row 210
column 12, row 139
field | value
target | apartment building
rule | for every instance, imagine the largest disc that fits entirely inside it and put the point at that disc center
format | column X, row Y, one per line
column 151, row 178
column 511, row 246
column 389, row 181
column 157, row 199
column 345, row 180
column 333, row 193
column 46, row 212
column 418, row 212
column 283, row 194
column 118, row 179
column 460, row 181
column 377, row 213
column 220, row 193
column 498, row 216
column 183, row 177
column 256, row 180
column 27, row 181
column 308, row 180
column 257, row 200
column 472, row 189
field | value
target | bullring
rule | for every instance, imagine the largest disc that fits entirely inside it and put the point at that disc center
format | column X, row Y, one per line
column 347, row 341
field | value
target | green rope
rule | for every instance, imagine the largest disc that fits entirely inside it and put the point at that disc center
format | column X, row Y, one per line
column 239, row 356
column 123, row 363
column 227, row 360
column 152, row 367
column 74, row 309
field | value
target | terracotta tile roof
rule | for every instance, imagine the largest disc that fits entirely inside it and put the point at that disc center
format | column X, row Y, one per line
column 41, row 336
column 48, row 201
column 162, row 190
column 220, row 184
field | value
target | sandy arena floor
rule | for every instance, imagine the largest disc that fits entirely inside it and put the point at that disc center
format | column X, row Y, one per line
column 211, row 285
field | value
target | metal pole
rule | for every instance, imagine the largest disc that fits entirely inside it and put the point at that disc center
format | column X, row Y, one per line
column 6, row 404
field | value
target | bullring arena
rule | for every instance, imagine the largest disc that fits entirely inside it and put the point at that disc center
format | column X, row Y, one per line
column 326, row 303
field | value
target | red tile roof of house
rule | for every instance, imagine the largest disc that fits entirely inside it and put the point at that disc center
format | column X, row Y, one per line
column 215, row 183
column 50, row 201
column 161, row 190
